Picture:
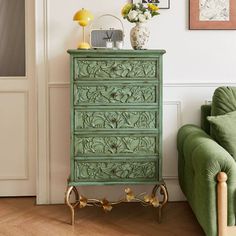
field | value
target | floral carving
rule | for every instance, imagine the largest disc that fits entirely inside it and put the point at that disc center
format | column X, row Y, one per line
column 115, row 145
column 118, row 170
column 114, row 94
column 108, row 69
column 115, row 119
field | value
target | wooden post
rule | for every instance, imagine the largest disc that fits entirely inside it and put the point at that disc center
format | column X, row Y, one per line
column 222, row 204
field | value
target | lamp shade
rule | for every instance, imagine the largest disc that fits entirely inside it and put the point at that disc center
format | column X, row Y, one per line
column 83, row 17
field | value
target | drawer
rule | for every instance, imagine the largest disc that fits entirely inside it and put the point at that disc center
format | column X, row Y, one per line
column 116, row 171
column 115, row 119
column 95, row 145
column 110, row 69
column 115, row 94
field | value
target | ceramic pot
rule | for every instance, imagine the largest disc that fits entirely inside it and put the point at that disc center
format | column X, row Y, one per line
column 139, row 36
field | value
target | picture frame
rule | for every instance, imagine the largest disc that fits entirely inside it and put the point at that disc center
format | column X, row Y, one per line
column 212, row 14
column 162, row 4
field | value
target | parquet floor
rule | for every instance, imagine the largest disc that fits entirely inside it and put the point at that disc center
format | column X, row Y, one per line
column 20, row 217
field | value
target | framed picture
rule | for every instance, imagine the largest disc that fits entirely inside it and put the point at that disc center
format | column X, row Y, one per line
column 162, row 4
column 212, row 14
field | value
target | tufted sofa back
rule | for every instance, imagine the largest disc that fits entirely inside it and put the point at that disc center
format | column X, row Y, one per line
column 223, row 101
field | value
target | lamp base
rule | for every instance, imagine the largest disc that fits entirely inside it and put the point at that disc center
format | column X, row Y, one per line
column 84, row 45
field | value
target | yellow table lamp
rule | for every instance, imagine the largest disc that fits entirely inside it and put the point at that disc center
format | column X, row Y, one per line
column 83, row 17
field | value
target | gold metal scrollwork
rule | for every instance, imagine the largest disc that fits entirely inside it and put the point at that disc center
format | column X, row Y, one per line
column 143, row 198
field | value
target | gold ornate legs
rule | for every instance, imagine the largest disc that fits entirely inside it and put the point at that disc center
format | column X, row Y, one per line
column 72, row 206
column 163, row 192
column 146, row 200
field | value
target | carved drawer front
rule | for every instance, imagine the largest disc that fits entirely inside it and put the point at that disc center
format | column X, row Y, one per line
column 117, row 171
column 115, row 119
column 115, row 94
column 111, row 69
column 105, row 145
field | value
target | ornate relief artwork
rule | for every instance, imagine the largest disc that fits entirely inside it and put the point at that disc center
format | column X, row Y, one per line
column 115, row 69
column 214, row 10
column 94, row 145
column 114, row 94
column 212, row 14
column 115, row 170
column 115, row 119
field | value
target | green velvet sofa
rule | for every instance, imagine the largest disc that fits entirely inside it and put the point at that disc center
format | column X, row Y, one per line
column 201, row 159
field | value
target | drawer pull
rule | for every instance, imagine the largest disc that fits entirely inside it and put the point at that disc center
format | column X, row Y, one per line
column 114, row 95
column 114, row 146
column 114, row 68
column 113, row 120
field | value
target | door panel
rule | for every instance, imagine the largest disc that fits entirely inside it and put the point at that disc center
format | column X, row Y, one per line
column 17, row 99
column 13, row 135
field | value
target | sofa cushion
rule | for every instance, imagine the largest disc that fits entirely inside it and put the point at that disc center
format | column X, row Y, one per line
column 225, row 131
column 223, row 101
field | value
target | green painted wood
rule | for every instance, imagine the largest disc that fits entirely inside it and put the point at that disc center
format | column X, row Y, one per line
column 98, row 157
column 138, row 145
column 116, row 117
column 111, row 69
column 102, row 94
column 106, row 53
column 111, row 170
column 160, row 92
column 72, row 167
column 116, row 182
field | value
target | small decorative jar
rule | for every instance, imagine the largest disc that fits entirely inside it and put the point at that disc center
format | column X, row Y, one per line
column 109, row 44
column 119, row 44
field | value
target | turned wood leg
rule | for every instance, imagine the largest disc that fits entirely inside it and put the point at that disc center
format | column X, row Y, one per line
column 222, row 204
column 72, row 207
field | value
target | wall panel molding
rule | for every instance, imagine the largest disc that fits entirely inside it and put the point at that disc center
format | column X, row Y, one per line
column 59, row 85
column 199, row 84
column 166, row 85
column 177, row 104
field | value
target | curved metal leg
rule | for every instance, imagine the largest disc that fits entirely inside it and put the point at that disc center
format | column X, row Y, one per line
column 72, row 206
column 76, row 193
column 164, row 193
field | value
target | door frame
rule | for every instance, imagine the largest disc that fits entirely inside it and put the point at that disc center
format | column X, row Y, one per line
column 42, row 78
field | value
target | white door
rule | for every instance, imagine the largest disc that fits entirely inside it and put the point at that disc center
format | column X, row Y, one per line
column 17, row 98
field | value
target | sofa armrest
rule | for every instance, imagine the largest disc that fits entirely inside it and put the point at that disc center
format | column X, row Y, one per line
column 200, row 160
column 207, row 156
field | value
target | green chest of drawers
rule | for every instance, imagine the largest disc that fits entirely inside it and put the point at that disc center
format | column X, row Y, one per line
column 116, row 117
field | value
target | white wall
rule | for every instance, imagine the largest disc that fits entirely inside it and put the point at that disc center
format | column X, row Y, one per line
column 195, row 64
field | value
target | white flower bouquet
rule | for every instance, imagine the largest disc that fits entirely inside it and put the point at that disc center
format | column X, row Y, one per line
column 139, row 13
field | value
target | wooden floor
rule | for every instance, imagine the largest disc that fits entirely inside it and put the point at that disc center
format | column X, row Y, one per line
column 20, row 217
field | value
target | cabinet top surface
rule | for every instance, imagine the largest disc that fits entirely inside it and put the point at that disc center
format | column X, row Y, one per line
column 127, row 52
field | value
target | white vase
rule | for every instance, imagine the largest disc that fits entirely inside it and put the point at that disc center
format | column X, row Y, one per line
column 139, row 36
